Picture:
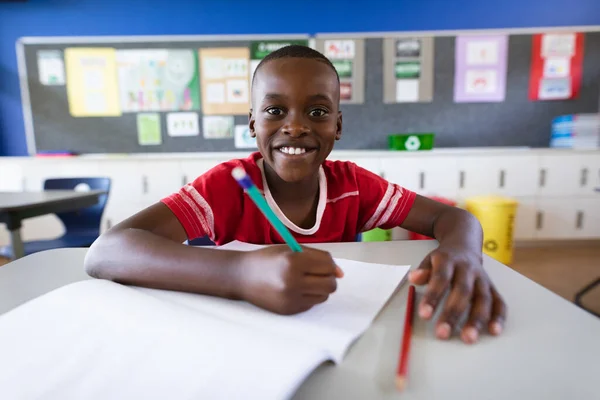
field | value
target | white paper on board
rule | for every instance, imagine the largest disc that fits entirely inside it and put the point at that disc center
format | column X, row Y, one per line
column 51, row 67
column 339, row 49
column 482, row 52
column 237, row 91
column 407, row 90
column 557, row 67
column 212, row 67
column 236, row 67
column 555, row 89
column 215, row 93
column 217, row 127
column 558, row 45
column 242, row 138
column 481, row 81
column 183, row 124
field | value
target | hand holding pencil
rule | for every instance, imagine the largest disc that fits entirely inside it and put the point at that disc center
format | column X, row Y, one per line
column 285, row 279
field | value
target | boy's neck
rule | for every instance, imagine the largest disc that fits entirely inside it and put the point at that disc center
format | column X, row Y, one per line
column 283, row 191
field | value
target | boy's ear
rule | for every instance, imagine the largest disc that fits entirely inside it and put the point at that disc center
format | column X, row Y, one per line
column 338, row 133
column 251, row 123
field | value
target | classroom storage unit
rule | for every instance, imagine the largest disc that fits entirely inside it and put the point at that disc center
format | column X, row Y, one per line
column 556, row 189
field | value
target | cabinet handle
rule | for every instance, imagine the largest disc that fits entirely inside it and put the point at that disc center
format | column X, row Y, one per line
column 421, row 180
column 461, row 179
column 502, row 178
column 184, row 180
column 145, row 184
column 382, row 174
column 108, row 223
column 584, row 177
column 579, row 223
column 539, row 220
column 24, row 183
column 542, row 177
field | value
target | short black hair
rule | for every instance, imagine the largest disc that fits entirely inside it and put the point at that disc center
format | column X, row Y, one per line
column 295, row 51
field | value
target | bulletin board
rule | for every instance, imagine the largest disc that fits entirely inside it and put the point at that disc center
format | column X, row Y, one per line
column 56, row 120
column 370, row 113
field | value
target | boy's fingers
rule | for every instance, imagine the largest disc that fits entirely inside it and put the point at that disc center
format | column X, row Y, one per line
column 441, row 274
column 319, row 285
column 496, row 324
column 421, row 275
column 479, row 314
column 461, row 293
column 339, row 273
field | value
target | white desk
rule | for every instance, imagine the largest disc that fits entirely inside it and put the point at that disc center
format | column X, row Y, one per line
column 549, row 349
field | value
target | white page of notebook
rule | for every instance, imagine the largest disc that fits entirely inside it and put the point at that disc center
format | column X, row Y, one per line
column 332, row 325
column 101, row 340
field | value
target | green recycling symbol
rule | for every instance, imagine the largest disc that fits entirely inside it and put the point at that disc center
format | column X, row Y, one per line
column 490, row 245
column 412, row 143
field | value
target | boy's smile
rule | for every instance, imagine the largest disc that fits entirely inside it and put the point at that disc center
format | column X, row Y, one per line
column 295, row 116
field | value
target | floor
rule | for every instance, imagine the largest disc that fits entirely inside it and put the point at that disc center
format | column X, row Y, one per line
column 563, row 269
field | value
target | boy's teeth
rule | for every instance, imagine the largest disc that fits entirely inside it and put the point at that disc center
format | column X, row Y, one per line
column 292, row 150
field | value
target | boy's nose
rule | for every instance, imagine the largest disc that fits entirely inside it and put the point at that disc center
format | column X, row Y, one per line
column 295, row 128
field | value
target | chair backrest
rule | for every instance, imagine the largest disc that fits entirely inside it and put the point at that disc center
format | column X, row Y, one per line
column 86, row 219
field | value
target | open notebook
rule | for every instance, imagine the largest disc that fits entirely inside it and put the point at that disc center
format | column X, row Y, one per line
column 101, row 340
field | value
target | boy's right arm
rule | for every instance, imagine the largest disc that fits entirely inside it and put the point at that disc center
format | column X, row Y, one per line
column 146, row 250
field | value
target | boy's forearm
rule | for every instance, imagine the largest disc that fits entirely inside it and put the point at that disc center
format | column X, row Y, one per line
column 457, row 227
column 141, row 258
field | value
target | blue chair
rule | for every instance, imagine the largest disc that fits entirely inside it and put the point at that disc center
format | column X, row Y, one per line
column 82, row 227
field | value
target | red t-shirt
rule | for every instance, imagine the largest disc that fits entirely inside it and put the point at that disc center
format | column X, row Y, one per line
column 351, row 200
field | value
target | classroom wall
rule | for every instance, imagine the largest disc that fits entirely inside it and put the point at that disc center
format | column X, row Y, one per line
column 175, row 17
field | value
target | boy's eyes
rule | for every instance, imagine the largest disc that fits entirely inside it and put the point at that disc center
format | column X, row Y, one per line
column 317, row 112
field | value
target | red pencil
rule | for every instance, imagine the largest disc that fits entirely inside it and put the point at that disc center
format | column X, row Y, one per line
column 402, row 372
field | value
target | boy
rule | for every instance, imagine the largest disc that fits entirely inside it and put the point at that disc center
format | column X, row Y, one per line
column 296, row 120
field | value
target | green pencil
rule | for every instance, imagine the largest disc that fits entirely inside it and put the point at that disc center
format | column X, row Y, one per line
column 246, row 183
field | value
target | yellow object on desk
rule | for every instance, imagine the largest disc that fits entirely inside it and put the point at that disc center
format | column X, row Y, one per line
column 496, row 215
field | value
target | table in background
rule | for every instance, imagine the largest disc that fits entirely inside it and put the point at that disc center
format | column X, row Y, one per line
column 549, row 348
column 17, row 206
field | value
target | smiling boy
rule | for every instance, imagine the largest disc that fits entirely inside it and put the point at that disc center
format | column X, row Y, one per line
column 296, row 120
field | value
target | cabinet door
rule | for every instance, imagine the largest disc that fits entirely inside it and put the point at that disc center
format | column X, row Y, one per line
column 556, row 219
column 127, row 184
column 525, row 219
column 11, row 177
column 427, row 175
column 568, row 175
column 159, row 179
column 514, row 176
column 587, row 218
column 191, row 169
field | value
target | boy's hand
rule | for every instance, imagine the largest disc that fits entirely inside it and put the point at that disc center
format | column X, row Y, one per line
column 460, row 271
column 285, row 282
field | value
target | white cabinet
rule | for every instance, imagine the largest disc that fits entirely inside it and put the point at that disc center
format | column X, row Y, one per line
column 568, row 174
column 11, row 177
column 556, row 219
column 587, row 222
column 159, row 179
column 525, row 218
column 426, row 175
column 512, row 175
column 191, row 169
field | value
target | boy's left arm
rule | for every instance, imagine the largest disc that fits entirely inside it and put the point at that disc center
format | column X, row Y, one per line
column 454, row 266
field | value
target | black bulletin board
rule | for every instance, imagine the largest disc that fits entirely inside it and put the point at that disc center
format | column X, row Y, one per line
column 514, row 122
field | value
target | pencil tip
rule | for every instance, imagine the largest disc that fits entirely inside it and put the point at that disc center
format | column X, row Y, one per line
column 400, row 383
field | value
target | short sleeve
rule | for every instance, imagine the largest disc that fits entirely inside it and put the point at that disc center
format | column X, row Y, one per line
column 206, row 206
column 382, row 204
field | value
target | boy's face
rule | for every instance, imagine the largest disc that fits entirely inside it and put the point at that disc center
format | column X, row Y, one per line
column 295, row 115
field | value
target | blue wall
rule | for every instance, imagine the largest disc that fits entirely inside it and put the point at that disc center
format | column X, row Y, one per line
column 172, row 17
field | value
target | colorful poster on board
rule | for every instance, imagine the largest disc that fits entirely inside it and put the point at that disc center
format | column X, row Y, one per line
column 183, row 124
column 217, row 127
column 148, row 129
column 242, row 137
column 481, row 68
column 408, row 69
column 556, row 66
column 260, row 49
column 225, row 80
column 158, row 80
column 51, row 67
column 92, row 82
column 347, row 57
